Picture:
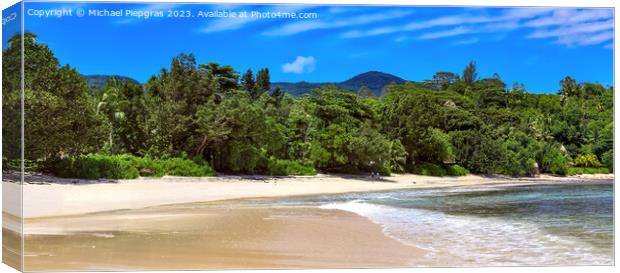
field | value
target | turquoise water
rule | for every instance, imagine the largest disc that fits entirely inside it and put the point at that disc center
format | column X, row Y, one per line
column 472, row 226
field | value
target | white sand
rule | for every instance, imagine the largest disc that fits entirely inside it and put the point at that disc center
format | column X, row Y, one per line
column 65, row 198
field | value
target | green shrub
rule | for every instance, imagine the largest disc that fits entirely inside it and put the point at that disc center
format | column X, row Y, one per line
column 456, row 170
column 289, row 167
column 587, row 160
column 429, row 169
column 553, row 160
column 186, row 167
column 149, row 167
column 559, row 169
column 586, row 170
column 95, row 166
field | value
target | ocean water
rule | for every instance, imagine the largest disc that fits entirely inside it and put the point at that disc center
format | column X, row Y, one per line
column 569, row 224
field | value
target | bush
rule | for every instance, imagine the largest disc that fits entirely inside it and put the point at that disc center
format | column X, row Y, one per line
column 95, row 166
column 559, row 168
column 587, row 160
column 586, row 170
column 289, row 167
column 186, row 167
column 150, row 167
column 456, row 170
column 553, row 160
column 429, row 169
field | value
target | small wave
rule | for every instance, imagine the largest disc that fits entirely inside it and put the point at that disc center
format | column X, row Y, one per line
column 470, row 240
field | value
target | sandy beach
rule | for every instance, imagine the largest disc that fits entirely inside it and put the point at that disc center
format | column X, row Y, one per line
column 147, row 223
column 214, row 236
column 47, row 196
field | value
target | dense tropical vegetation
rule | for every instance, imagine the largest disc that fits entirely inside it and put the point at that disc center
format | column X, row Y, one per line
column 194, row 119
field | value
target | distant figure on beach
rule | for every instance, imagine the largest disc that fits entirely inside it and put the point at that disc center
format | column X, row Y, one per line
column 374, row 174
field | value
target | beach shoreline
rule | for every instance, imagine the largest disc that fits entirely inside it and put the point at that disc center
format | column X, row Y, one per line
column 213, row 223
column 48, row 196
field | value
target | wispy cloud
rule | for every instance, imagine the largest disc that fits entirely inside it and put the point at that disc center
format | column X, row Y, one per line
column 574, row 28
column 569, row 30
column 570, row 16
column 571, row 27
column 298, row 27
column 453, row 20
column 565, row 26
column 594, row 39
column 300, row 65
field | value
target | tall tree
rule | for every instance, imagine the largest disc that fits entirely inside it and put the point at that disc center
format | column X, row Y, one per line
column 247, row 81
column 225, row 76
column 569, row 87
column 263, row 82
column 443, row 80
column 470, row 75
column 59, row 114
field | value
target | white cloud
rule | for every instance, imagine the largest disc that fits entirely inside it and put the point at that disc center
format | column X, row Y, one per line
column 580, row 33
column 501, row 22
column 571, row 16
column 525, row 13
column 300, row 65
column 568, row 27
column 584, row 39
column 303, row 26
column 581, row 28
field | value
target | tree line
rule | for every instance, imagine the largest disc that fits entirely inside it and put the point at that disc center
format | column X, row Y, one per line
column 236, row 123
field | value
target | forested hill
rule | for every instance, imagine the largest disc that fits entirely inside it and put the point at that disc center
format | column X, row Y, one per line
column 375, row 81
column 195, row 118
column 99, row 81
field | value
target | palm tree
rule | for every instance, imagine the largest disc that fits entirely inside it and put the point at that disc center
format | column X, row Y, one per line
column 111, row 103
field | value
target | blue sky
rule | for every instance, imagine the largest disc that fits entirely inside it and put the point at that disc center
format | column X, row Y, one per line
column 534, row 46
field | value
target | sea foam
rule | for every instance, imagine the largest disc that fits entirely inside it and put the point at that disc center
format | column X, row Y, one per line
column 458, row 240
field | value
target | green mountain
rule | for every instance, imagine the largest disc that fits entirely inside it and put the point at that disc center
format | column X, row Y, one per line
column 374, row 80
column 99, row 81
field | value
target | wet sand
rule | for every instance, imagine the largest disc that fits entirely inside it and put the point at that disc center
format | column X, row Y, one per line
column 212, row 236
